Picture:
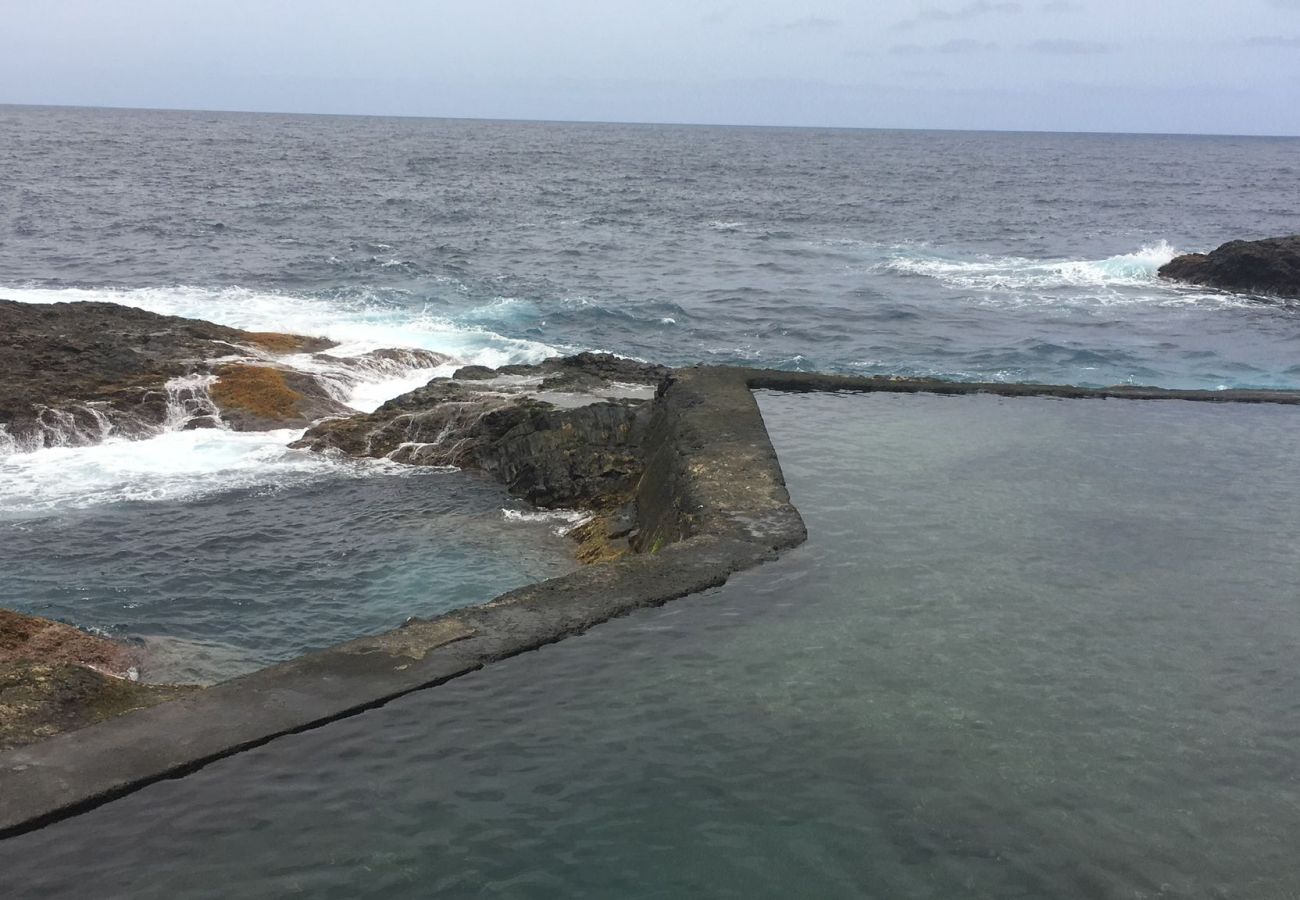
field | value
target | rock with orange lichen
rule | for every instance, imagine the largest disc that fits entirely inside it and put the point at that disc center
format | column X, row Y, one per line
column 24, row 637
column 76, row 373
column 55, row 678
column 259, row 397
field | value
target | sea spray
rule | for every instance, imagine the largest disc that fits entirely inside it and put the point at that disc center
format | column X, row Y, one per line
column 187, row 400
column 1012, row 273
column 359, row 324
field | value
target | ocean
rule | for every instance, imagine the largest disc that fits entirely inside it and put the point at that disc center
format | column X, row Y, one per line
column 975, row 256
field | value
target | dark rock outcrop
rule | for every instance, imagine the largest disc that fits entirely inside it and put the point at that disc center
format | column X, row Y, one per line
column 1270, row 267
column 566, row 432
column 76, row 373
column 55, row 678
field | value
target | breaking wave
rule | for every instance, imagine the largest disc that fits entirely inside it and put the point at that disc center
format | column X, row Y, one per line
column 176, row 466
column 1135, row 269
column 360, row 324
column 86, row 461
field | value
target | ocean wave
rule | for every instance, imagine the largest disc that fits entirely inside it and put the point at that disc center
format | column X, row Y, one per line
column 179, row 465
column 1019, row 273
column 359, row 324
column 175, row 466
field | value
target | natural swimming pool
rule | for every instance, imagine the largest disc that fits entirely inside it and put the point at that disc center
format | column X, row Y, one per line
column 1032, row 648
column 221, row 552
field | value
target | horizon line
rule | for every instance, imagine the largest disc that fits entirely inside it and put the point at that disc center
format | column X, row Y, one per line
column 633, row 122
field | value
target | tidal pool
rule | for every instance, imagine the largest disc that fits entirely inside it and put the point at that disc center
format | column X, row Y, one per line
column 1033, row 648
column 220, row 570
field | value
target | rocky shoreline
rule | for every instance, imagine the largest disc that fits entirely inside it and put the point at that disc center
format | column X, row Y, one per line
column 565, row 433
column 73, row 374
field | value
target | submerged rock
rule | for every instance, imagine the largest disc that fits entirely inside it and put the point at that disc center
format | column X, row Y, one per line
column 565, row 432
column 1270, row 266
column 55, row 678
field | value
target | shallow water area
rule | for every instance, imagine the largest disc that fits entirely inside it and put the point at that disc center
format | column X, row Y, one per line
column 1033, row 648
column 221, row 552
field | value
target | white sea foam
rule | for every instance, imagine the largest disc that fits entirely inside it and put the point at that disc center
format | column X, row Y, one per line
column 358, row 325
column 178, row 465
column 562, row 520
column 1013, row 272
column 188, row 399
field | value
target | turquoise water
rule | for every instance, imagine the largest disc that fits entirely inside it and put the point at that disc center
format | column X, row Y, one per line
column 1033, row 648
column 220, row 571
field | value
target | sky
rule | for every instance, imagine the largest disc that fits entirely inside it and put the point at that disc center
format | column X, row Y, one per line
column 1183, row 66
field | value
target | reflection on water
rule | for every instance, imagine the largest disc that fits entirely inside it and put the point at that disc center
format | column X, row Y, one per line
column 1033, row 648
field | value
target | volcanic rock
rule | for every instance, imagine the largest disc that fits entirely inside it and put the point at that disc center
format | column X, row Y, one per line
column 76, row 373
column 565, row 432
column 1270, row 267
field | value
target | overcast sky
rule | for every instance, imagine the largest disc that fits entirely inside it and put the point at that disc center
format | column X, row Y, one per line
column 1090, row 65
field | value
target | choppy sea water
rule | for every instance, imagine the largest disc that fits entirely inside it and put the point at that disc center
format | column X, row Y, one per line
column 964, row 255
column 1033, row 648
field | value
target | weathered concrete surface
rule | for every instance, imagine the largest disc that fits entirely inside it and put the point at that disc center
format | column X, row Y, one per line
column 776, row 380
column 1269, row 267
column 711, row 467
column 41, row 699
column 711, row 501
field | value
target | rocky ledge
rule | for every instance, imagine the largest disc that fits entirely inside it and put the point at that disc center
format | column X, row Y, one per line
column 76, row 373
column 565, row 433
column 1270, row 267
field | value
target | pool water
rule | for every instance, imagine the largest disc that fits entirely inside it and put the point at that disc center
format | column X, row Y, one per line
column 251, row 571
column 1033, row 648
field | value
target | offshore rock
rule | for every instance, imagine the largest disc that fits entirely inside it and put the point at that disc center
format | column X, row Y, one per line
column 565, row 432
column 1270, row 267
column 76, row 373
column 55, row 678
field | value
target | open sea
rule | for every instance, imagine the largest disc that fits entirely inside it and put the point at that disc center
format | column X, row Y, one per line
column 990, row 673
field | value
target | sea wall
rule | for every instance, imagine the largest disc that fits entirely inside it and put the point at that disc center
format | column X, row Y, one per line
column 710, row 467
